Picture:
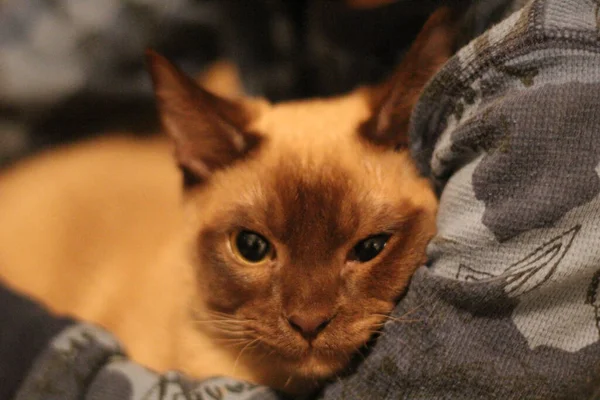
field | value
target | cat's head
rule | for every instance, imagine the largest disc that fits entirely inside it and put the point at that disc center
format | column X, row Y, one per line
column 308, row 218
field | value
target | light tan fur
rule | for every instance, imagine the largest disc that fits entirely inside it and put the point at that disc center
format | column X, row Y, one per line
column 103, row 231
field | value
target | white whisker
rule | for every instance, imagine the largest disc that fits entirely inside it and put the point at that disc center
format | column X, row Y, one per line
column 241, row 352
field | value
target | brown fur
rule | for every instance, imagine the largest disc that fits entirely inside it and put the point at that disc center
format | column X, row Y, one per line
column 101, row 230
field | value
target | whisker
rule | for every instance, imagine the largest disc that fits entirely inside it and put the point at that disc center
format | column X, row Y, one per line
column 229, row 328
column 406, row 321
column 233, row 330
column 235, row 364
column 264, row 354
column 232, row 339
column 224, row 326
column 234, row 333
column 406, row 314
column 271, row 352
column 229, row 334
column 221, row 320
column 399, row 319
column 433, row 310
column 233, row 346
column 221, row 315
column 412, row 311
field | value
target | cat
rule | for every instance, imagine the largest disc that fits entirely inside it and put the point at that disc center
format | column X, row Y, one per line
column 272, row 247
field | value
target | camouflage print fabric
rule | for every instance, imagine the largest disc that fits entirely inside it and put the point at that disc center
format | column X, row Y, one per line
column 85, row 362
column 508, row 306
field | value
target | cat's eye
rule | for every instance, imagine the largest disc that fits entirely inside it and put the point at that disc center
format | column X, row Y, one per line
column 369, row 248
column 250, row 247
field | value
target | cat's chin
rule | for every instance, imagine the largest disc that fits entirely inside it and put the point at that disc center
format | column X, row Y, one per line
column 300, row 375
column 314, row 364
column 317, row 362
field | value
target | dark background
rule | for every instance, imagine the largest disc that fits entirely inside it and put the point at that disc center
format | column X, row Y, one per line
column 284, row 49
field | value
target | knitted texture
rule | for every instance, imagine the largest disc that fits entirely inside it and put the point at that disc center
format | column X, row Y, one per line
column 508, row 305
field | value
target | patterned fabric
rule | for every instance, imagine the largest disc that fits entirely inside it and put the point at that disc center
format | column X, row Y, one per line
column 85, row 360
column 508, row 306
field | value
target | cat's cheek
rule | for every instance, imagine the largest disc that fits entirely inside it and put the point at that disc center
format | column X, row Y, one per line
column 236, row 289
column 355, row 279
column 389, row 278
column 222, row 288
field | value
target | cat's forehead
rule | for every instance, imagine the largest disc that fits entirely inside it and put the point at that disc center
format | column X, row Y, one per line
column 314, row 205
column 311, row 206
column 314, row 184
column 314, row 120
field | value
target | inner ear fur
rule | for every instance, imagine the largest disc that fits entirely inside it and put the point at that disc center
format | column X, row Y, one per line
column 209, row 132
column 393, row 101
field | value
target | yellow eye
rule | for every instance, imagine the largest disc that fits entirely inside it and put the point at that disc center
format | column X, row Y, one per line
column 250, row 247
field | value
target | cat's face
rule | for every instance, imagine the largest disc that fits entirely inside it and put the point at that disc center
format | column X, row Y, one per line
column 307, row 219
column 310, row 240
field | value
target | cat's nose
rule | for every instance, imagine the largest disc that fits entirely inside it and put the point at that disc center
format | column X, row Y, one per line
column 309, row 326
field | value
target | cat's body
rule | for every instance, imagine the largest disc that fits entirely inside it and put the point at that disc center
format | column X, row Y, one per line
column 92, row 230
column 103, row 231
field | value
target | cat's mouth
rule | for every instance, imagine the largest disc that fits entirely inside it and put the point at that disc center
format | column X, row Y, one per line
column 315, row 362
column 316, row 357
column 313, row 359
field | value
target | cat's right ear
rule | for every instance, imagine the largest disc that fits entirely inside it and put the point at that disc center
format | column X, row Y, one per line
column 393, row 101
column 208, row 131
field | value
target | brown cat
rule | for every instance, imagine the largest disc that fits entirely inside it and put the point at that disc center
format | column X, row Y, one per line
column 298, row 226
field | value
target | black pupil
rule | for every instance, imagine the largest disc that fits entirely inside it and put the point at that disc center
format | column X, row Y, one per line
column 252, row 246
column 369, row 248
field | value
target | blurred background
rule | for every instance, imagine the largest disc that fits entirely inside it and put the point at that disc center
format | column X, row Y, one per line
column 70, row 69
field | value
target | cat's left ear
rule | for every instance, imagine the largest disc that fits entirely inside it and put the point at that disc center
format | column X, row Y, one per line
column 393, row 101
column 209, row 132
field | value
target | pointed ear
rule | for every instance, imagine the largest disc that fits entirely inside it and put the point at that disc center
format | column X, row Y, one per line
column 208, row 131
column 393, row 101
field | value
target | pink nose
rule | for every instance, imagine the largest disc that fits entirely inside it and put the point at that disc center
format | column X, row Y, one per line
column 309, row 326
